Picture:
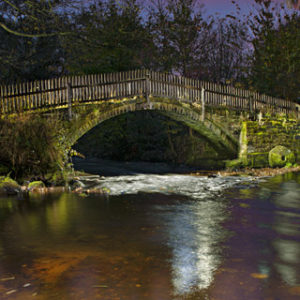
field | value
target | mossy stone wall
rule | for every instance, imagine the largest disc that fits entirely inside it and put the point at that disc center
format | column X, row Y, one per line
column 260, row 137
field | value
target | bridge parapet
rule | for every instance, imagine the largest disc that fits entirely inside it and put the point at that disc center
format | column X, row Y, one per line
column 69, row 91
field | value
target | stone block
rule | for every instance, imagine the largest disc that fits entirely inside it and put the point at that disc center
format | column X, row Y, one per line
column 280, row 155
column 258, row 160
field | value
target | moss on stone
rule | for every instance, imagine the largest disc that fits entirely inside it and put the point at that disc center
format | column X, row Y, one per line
column 9, row 186
column 279, row 156
column 258, row 160
column 6, row 179
column 36, row 185
column 261, row 133
column 234, row 164
column 275, row 122
column 243, row 144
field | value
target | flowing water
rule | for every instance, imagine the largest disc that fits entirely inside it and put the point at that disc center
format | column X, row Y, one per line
column 155, row 237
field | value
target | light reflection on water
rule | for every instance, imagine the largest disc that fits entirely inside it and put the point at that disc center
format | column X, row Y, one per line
column 195, row 234
column 263, row 254
column 156, row 237
column 194, row 231
column 287, row 225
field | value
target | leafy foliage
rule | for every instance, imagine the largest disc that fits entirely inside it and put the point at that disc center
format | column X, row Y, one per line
column 109, row 37
column 178, row 29
column 275, row 63
column 31, row 48
column 31, row 145
column 226, row 58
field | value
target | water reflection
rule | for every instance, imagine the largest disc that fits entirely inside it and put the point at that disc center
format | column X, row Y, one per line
column 195, row 235
column 263, row 252
column 289, row 256
column 287, row 226
column 156, row 237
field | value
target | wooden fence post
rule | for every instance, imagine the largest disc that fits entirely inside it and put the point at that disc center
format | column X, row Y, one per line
column 203, row 104
column 70, row 97
column 147, row 87
column 251, row 104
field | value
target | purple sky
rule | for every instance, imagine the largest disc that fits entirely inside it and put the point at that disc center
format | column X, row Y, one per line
column 224, row 7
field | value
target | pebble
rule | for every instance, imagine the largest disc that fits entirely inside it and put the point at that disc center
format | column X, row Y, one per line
column 10, row 292
column 8, row 278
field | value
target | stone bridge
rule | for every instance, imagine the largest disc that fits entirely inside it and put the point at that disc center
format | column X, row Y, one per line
column 238, row 124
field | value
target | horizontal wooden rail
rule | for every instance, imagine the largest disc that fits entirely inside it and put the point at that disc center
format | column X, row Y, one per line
column 101, row 87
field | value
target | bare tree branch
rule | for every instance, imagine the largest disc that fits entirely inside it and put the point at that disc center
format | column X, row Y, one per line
column 28, row 35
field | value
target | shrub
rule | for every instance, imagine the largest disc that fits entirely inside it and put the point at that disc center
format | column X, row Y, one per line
column 30, row 145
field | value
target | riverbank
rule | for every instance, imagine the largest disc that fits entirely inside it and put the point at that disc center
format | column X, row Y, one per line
column 263, row 172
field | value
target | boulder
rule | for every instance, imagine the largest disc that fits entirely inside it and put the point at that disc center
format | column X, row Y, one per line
column 35, row 186
column 77, row 185
column 8, row 186
column 280, row 156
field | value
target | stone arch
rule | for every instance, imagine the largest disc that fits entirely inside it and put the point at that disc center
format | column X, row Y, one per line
column 189, row 114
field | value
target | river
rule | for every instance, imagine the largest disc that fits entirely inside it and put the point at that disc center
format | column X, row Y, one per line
column 155, row 237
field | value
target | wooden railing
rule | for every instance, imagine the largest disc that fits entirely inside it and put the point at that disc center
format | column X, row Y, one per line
column 71, row 90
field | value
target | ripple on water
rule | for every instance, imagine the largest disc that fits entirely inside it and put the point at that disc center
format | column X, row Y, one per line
column 185, row 185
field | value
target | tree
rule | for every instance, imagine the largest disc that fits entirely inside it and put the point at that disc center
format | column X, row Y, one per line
column 33, row 18
column 275, row 63
column 31, row 34
column 178, row 28
column 29, row 59
column 110, row 37
column 226, row 52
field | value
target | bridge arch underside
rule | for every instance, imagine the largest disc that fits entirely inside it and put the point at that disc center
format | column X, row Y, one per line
column 223, row 146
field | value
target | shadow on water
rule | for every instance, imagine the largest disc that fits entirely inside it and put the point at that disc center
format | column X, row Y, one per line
column 116, row 168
